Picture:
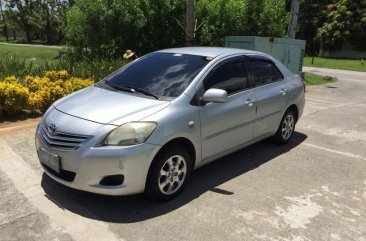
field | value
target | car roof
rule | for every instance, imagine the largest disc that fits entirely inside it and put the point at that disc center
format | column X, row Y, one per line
column 209, row 51
column 222, row 52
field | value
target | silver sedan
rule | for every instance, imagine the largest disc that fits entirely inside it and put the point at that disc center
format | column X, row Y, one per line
column 145, row 127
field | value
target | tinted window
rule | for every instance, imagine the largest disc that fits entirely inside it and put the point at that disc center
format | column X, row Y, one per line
column 277, row 73
column 162, row 74
column 264, row 72
column 230, row 77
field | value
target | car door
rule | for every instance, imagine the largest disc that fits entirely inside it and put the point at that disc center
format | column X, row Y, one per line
column 270, row 93
column 227, row 125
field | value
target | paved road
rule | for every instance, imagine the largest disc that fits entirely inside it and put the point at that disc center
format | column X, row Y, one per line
column 33, row 45
column 314, row 188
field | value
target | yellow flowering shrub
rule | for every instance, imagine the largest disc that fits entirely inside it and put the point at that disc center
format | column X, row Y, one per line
column 43, row 98
column 52, row 75
column 38, row 93
column 74, row 84
column 10, row 79
column 13, row 97
column 63, row 74
column 36, row 83
column 35, row 101
column 51, row 94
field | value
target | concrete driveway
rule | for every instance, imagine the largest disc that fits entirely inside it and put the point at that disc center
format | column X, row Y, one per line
column 314, row 188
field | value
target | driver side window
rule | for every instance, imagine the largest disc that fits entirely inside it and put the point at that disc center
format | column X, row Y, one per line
column 229, row 76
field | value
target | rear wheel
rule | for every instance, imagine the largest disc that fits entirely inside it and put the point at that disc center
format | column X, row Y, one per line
column 286, row 128
column 168, row 174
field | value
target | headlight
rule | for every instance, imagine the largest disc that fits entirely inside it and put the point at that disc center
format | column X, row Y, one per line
column 132, row 133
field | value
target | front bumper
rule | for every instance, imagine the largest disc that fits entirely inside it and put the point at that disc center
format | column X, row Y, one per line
column 86, row 166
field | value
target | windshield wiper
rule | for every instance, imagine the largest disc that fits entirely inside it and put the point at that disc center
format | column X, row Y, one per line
column 131, row 89
column 139, row 90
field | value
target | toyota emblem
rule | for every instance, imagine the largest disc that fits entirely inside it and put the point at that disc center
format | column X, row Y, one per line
column 51, row 128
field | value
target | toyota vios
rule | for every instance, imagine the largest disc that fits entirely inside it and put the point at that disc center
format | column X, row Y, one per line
column 145, row 127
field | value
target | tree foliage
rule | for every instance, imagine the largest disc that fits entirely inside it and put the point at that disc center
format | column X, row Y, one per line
column 102, row 26
column 312, row 16
column 107, row 28
column 38, row 19
column 219, row 18
column 164, row 25
column 274, row 18
column 240, row 17
column 346, row 22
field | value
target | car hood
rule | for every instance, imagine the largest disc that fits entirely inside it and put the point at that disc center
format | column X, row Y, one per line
column 108, row 107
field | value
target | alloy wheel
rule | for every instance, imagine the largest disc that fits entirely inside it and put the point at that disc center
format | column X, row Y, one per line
column 172, row 174
column 288, row 126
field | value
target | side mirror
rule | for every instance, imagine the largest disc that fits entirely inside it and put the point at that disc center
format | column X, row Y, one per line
column 215, row 96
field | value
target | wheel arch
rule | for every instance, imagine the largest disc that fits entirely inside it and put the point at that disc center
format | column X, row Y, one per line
column 181, row 141
column 178, row 141
column 294, row 108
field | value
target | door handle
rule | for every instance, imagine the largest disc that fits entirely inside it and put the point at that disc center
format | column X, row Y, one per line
column 249, row 102
column 283, row 91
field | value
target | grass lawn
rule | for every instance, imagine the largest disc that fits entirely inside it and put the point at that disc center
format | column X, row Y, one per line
column 314, row 79
column 346, row 64
column 28, row 53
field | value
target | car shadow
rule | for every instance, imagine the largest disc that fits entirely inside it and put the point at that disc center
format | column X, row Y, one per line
column 130, row 209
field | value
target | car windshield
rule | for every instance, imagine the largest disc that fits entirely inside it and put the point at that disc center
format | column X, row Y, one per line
column 158, row 74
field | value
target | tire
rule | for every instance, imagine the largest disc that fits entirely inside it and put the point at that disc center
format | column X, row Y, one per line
column 286, row 128
column 168, row 174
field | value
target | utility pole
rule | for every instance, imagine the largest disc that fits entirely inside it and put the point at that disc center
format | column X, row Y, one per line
column 190, row 24
column 293, row 21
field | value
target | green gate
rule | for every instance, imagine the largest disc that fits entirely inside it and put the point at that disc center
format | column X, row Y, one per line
column 289, row 51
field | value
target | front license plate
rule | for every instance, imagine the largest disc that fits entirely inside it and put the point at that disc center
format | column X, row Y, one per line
column 49, row 159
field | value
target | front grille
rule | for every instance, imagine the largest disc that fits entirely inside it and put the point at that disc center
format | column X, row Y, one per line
column 60, row 140
column 64, row 175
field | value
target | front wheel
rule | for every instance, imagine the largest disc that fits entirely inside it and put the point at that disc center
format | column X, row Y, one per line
column 286, row 128
column 168, row 174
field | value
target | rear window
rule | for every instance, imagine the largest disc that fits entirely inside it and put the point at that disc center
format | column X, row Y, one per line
column 230, row 77
column 162, row 74
column 264, row 72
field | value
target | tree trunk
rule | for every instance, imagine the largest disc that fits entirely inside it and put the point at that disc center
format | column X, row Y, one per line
column 6, row 33
column 28, row 35
column 190, row 24
column 312, row 50
column 61, row 36
column 23, row 13
column 5, row 29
